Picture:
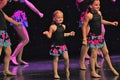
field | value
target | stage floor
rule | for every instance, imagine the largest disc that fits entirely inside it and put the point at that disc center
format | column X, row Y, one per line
column 42, row 70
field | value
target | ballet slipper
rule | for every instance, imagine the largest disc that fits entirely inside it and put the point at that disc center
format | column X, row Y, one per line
column 8, row 73
column 115, row 72
column 95, row 75
column 82, row 66
column 23, row 62
column 67, row 74
column 14, row 61
column 56, row 77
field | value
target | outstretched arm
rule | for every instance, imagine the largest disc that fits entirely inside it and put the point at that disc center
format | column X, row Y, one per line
column 115, row 23
column 33, row 8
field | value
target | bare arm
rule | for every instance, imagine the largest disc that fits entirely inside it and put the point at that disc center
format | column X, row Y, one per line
column 72, row 33
column 84, row 28
column 9, row 19
column 51, row 30
column 115, row 23
column 33, row 8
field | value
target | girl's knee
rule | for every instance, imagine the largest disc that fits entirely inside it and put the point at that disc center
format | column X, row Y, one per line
column 106, row 53
column 25, row 41
column 93, row 56
column 8, row 53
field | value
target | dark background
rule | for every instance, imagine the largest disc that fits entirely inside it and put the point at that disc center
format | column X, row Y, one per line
column 38, row 47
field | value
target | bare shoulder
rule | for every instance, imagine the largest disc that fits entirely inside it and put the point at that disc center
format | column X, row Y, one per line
column 99, row 12
column 64, row 26
column 89, row 16
column 53, row 27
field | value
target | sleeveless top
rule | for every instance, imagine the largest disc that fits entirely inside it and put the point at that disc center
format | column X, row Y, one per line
column 58, row 36
column 3, row 24
column 95, row 24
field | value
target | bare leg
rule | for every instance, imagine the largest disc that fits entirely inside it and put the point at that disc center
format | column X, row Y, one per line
column 93, row 60
column 66, row 58
column 20, row 58
column 0, row 50
column 33, row 8
column 84, row 50
column 7, row 61
column 55, row 67
column 23, row 34
column 107, row 58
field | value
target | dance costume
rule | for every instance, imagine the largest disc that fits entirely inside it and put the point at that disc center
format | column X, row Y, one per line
column 94, row 38
column 58, row 43
column 19, row 15
column 4, row 38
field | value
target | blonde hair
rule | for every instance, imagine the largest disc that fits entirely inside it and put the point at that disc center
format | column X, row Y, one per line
column 56, row 12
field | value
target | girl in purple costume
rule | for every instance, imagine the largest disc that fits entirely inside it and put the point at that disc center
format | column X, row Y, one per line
column 19, row 15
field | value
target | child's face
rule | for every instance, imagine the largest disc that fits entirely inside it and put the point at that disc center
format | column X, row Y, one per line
column 96, row 5
column 58, row 18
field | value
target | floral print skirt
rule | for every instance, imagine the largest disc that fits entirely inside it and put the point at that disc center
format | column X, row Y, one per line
column 95, row 41
column 4, row 39
column 56, row 50
column 20, row 16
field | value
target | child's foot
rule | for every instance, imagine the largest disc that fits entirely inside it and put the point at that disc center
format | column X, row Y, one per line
column 41, row 15
column 14, row 61
column 82, row 66
column 8, row 73
column 23, row 62
column 67, row 74
column 56, row 76
column 95, row 75
column 115, row 72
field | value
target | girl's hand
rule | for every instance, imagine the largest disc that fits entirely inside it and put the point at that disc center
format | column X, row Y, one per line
column 84, row 42
column 45, row 32
column 115, row 23
column 72, row 33
column 19, row 24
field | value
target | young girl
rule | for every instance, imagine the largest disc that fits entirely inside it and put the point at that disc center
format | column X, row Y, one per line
column 94, row 40
column 58, row 47
column 19, row 15
column 5, row 39
column 82, row 6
